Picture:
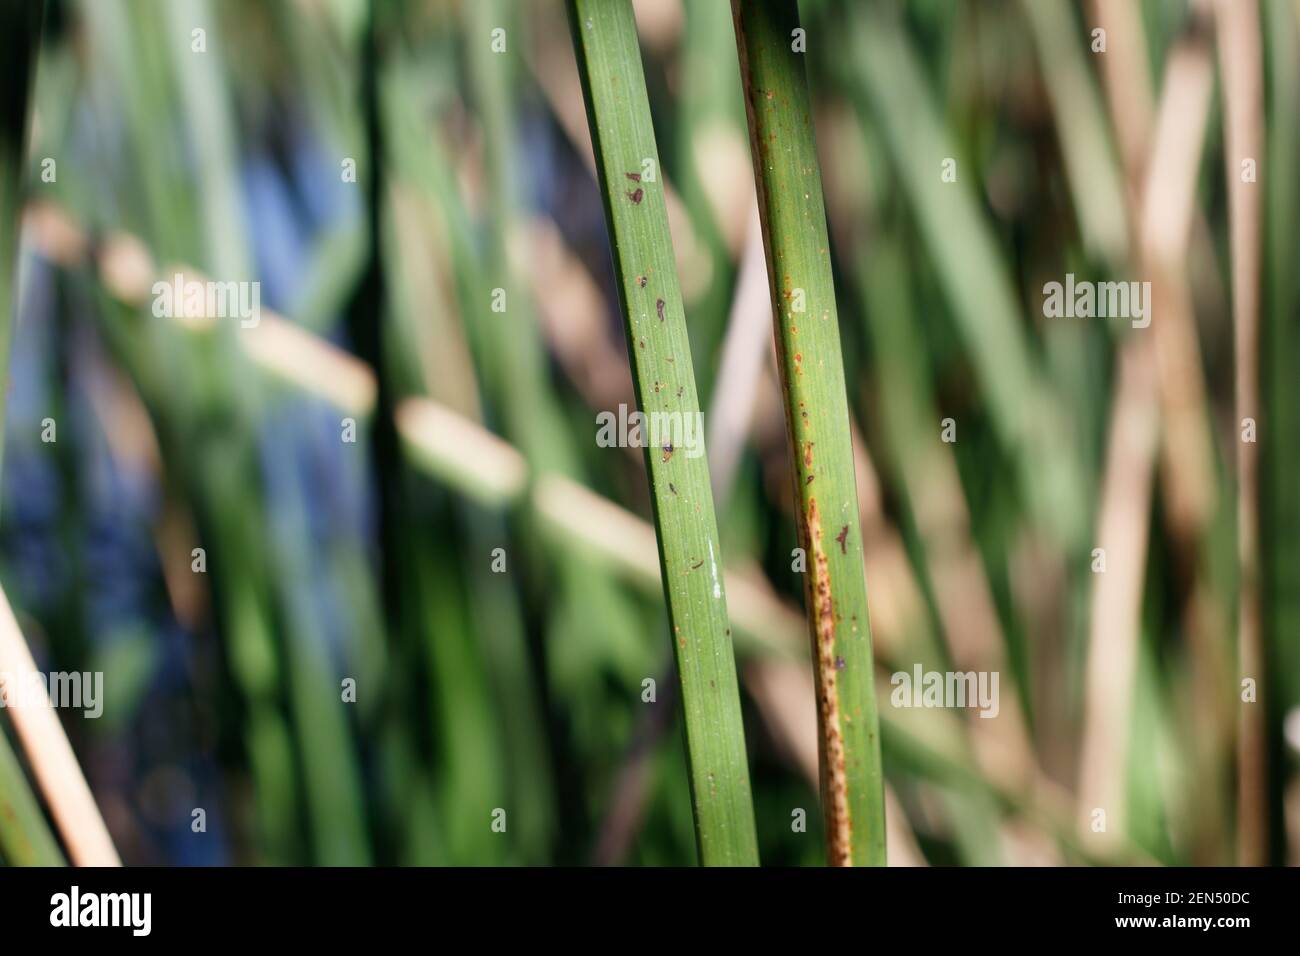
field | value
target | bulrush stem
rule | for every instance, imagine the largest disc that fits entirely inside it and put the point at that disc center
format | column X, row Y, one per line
column 790, row 201
column 690, row 555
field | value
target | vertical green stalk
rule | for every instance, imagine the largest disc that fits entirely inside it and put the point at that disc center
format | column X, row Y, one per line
column 1280, row 346
column 532, row 418
column 627, row 161
column 21, row 25
column 817, row 416
column 25, row 837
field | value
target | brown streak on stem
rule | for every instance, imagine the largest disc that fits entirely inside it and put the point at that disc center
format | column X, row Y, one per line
column 835, row 790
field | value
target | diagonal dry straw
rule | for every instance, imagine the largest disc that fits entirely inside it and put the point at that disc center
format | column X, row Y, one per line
column 627, row 161
column 771, row 45
column 53, row 762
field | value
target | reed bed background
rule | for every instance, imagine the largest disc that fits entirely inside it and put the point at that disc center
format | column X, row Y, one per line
column 476, row 227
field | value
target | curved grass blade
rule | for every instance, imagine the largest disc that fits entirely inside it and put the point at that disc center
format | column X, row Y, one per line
column 627, row 160
column 812, row 380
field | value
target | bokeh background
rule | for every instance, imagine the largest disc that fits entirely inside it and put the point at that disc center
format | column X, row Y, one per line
column 381, row 170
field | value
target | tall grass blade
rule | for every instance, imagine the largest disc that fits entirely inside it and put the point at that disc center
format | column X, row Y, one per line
column 21, row 23
column 24, row 835
column 25, row 839
column 812, row 378
column 627, row 161
column 1279, row 516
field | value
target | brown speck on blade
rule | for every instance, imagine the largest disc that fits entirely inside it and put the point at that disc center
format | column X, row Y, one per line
column 668, row 450
column 635, row 196
column 659, row 307
column 842, row 538
column 635, row 177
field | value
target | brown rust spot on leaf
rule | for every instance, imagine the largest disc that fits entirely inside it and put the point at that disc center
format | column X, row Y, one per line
column 843, row 538
column 635, row 177
column 635, row 196
column 835, row 786
column 659, row 307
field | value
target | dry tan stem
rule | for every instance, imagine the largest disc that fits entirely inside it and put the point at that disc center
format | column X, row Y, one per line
column 1241, row 60
column 54, row 764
